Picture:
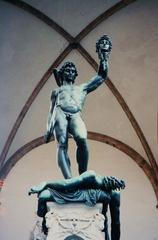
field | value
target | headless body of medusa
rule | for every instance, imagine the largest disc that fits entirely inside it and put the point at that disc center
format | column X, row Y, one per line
column 81, row 187
column 65, row 110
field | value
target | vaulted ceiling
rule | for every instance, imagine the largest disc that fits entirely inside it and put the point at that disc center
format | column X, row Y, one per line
column 37, row 36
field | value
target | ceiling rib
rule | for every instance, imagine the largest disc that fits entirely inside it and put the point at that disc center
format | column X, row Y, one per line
column 93, row 136
column 126, row 109
column 122, row 3
column 35, row 12
column 87, row 56
column 30, row 100
column 44, row 18
column 108, row 13
column 135, row 125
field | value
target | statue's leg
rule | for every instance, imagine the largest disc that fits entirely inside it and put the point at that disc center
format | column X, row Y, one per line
column 67, row 156
column 82, row 154
column 43, row 198
column 78, row 130
column 115, row 215
column 61, row 135
column 105, row 198
column 104, row 212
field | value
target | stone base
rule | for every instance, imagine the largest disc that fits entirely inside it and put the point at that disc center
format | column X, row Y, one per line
column 37, row 232
column 74, row 221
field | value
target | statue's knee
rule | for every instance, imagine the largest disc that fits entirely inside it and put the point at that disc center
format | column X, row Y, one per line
column 44, row 195
column 115, row 198
column 62, row 142
column 81, row 142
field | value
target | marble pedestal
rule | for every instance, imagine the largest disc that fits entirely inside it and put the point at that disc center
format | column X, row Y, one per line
column 74, row 221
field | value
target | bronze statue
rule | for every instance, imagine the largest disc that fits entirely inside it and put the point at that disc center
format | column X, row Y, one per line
column 87, row 180
column 66, row 105
column 65, row 118
column 88, row 188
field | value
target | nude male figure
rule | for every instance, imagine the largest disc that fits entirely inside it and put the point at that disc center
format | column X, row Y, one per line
column 66, row 105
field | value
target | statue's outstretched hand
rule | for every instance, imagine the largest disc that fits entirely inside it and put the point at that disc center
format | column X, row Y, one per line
column 103, row 54
column 37, row 189
column 31, row 192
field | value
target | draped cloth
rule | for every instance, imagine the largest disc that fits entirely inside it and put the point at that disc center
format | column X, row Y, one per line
column 88, row 196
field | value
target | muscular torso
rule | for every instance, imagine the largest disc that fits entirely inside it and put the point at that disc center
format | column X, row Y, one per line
column 70, row 98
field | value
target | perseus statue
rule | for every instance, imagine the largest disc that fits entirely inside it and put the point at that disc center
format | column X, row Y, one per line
column 66, row 106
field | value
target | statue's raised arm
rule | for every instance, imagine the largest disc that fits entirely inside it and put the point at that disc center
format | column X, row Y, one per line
column 103, row 48
column 66, row 104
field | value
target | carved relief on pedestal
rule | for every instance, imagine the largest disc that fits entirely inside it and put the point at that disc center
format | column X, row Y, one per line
column 81, row 221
